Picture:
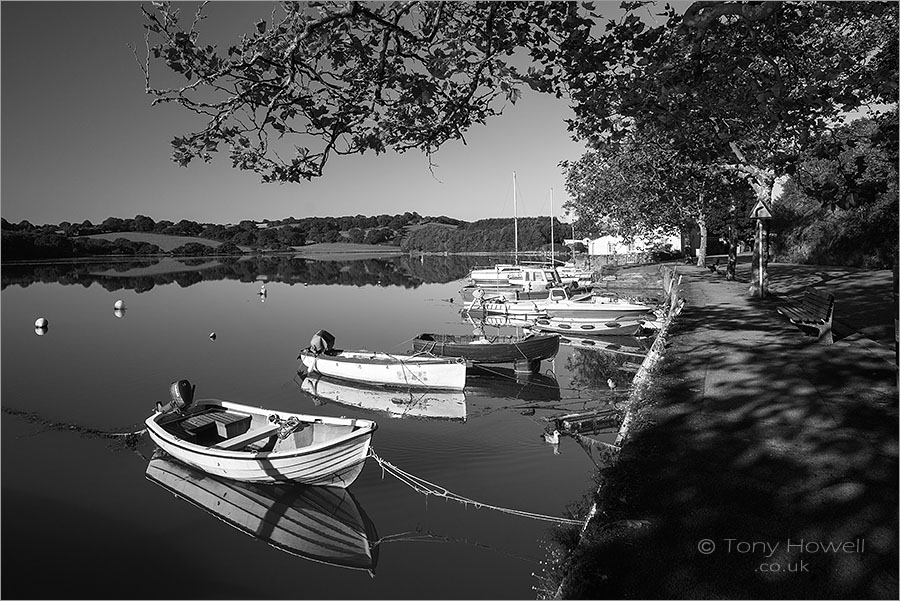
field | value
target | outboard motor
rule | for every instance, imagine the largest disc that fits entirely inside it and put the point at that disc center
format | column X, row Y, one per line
column 182, row 393
column 321, row 342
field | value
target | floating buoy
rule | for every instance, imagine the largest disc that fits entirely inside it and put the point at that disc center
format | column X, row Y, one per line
column 212, row 336
column 41, row 322
column 119, row 313
column 40, row 331
column 120, row 304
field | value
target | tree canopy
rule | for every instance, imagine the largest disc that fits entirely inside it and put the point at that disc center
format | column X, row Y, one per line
column 323, row 78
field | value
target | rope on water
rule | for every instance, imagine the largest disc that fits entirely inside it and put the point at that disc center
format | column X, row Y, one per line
column 129, row 437
column 427, row 488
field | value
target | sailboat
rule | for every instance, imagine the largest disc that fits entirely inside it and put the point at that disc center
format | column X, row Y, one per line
column 499, row 274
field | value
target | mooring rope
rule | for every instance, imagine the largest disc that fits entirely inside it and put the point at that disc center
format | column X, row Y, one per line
column 427, row 488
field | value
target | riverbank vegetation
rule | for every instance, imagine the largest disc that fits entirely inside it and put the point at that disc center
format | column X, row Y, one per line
column 408, row 232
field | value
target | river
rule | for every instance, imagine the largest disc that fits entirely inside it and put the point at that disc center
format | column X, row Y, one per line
column 82, row 516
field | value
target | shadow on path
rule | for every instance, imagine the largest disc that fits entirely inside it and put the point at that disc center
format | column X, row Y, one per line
column 759, row 466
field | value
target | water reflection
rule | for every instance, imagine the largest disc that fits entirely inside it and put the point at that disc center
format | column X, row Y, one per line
column 394, row 402
column 143, row 275
column 504, row 382
column 319, row 523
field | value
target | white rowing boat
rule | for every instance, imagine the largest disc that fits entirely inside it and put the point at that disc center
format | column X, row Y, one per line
column 383, row 369
column 252, row 444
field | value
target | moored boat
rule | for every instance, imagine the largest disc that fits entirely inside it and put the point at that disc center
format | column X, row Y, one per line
column 252, row 444
column 496, row 275
column 629, row 326
column 568, row 272
column 535, row 278
column 319, row 523
column 557, row 302
column 386, row 369
column 469, row 293
column 526, row 352
column 395, row 402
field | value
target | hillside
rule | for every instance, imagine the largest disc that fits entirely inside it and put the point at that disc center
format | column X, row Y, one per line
column 165, row 241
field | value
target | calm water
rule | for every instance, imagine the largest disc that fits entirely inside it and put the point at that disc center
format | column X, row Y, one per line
column 81, row 519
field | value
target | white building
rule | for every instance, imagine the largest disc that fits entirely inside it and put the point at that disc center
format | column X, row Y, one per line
column 614, row 245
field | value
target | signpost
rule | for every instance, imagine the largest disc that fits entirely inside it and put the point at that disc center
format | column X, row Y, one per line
column 758, row 278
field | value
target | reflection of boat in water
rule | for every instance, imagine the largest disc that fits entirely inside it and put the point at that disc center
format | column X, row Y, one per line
column 497, row 382
column 411, row 402
column 323, row 524
column 615, row 344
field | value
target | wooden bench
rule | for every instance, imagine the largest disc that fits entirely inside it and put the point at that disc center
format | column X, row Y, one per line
column 249, row 437
column 813, row 315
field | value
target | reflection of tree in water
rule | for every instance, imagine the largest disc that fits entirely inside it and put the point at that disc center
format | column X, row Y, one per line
column 591, row 369
column 396, row 271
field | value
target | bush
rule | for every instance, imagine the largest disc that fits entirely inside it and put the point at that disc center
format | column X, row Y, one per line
column 193, row 249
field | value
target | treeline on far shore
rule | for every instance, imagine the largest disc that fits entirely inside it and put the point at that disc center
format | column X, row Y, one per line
column 409, row 231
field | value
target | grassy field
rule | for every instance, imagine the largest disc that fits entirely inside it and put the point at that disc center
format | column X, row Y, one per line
column 333, row 249
column 163, row 241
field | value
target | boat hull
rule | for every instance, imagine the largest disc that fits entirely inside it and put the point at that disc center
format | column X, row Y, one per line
column 501, row 349
column 407, row 371
column 468, row 293
column 322, row 524
column 497, row 275
column 402, row 403
column 587, row 327
column 332, row 453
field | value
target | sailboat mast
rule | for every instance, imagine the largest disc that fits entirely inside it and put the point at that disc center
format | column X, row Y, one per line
column 552, row 241
column 515, row 221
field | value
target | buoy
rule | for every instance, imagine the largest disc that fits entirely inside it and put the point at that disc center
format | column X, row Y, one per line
column 119, row 313
column 212, row 336
column 120, row 304
column 41, row 322
column 40, row 331
column 610, row 383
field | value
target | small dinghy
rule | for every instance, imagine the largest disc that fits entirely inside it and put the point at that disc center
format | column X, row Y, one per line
column 251, row 444
column 383, row 369
column 526, row 352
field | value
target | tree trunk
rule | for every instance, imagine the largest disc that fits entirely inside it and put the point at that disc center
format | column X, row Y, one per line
column 704, row 237
column 762, row 181
column 732, row 244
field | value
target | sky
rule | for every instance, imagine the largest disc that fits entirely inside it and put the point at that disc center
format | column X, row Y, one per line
column 81, row 141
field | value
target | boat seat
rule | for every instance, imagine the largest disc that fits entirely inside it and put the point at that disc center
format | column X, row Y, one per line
column 227, row 424
column 249, row 437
